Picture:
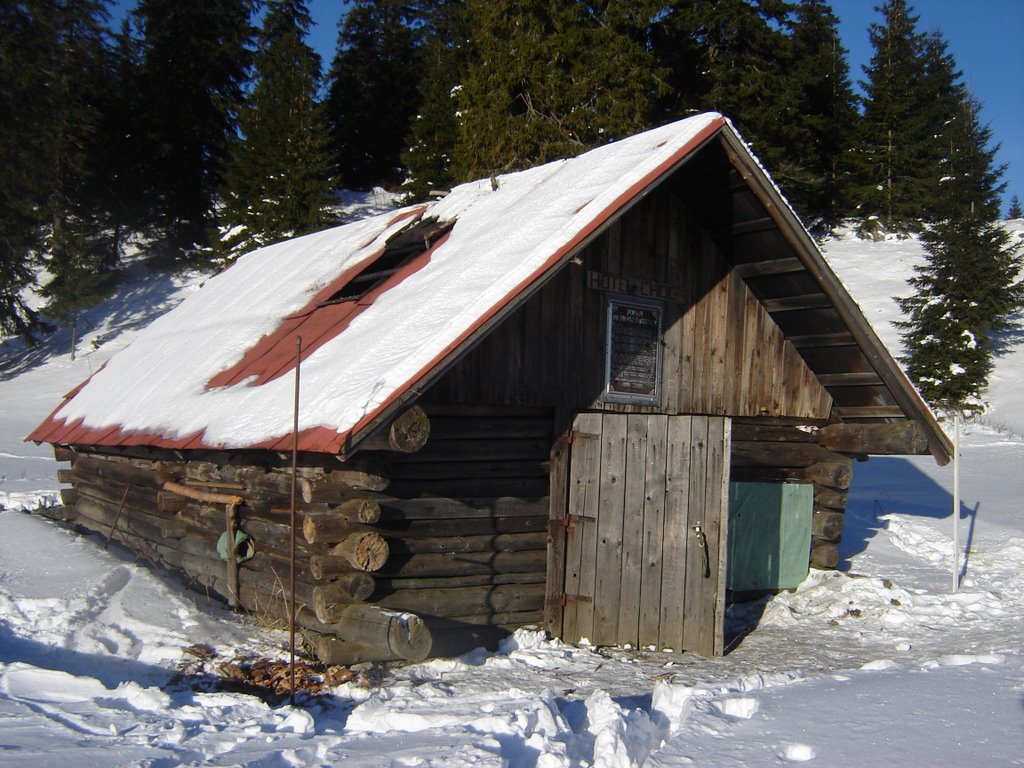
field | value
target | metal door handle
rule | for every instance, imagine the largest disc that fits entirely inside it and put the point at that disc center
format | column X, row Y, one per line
column 702, row 542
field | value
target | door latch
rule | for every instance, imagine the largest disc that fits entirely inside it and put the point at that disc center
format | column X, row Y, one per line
column 702, row 542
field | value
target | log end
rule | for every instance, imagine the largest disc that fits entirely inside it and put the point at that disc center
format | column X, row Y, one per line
column 409, row 637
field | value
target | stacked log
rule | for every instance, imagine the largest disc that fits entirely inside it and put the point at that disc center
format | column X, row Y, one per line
column 773, row 452
column 455, row 532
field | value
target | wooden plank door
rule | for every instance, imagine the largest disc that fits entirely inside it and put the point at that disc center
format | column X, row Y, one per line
column 645, row 535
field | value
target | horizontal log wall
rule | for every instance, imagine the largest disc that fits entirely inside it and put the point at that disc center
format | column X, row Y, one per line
column 768, row 451
column 722, row 352
column 455, row 533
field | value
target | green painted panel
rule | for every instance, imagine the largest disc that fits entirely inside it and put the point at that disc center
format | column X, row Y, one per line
column 769, row 535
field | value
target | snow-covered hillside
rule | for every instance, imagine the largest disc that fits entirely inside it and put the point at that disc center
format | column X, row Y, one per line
column 879, row 664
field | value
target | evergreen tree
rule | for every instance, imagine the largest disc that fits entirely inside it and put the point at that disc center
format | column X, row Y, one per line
column 968, row 288
column 22, row 108
column 816, row 134
column 729, row 56
column 1015, row 211
column 53, row 216
column 278, row 181
column 374, row 90
column 430, row 149
column 549, row 80
column 896, row 146
column 193, row 66
column 79, row 254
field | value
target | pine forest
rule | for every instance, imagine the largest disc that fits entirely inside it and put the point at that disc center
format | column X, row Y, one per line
column 208, row 129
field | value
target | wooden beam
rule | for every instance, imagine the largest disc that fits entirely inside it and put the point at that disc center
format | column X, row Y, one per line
column 769, row 267
column 868, row 412
column 899, row 438
column 816, row 340
column 752, row 226
column 850, row 379
column 794, row 303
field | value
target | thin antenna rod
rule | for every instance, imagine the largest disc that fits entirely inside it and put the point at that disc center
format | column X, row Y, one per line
column 291, row 546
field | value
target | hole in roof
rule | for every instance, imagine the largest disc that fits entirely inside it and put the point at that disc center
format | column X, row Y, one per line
column 400, row 250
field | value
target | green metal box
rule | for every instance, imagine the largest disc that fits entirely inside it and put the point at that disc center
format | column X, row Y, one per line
column 769, row 535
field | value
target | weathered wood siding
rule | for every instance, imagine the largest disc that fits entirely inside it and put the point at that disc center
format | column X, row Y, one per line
column 722, row 353
column 644, row 533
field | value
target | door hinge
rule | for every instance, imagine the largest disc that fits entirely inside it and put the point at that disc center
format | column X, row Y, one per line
column 564, row 599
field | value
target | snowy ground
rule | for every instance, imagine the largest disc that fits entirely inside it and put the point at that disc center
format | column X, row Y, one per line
column 879, row 664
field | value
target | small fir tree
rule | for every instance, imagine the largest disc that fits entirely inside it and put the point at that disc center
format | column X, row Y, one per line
column 279, row 177
column 1015, row 211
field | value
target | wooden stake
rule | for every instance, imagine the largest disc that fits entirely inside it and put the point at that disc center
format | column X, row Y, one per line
column 117, row 517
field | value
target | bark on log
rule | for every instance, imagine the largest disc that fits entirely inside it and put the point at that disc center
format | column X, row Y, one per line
column 832, row 498
column 465, row 564
column 334, row 526
column 403, row 634
column 824, row 554
column 406, row 433
column 900, row 438
column 468, row 601
column 364, row 475
column 835, row 474
column 331, row 599
column 827, row 525
column 333, row 650
column 504, row 542
column 783, row 454
column 123, row 471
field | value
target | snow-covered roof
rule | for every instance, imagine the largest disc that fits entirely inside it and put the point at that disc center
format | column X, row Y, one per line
column 158, row 390
column 212, row 372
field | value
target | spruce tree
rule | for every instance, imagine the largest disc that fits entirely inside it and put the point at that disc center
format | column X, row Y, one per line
column 729, row 56
column 278, row 180
column 429, row 153
column 968, row 287
column 896, row 148
column 549, row 80
column 374, row 90
column 23, row 106
column 79, row 254
column 1015, row 211
column 55, row 216
column 817, row 131
column 193, row 65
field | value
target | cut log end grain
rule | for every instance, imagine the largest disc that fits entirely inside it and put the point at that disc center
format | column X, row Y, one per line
column 407, row 433
column 364, row 550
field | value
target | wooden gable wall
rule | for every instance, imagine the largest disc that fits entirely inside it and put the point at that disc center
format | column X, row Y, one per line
column 722, row 353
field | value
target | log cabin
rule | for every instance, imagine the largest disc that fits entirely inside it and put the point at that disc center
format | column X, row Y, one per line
column 546, row 398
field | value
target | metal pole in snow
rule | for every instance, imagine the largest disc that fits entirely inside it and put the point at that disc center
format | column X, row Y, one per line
column 956, row 500
column 291, row 542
